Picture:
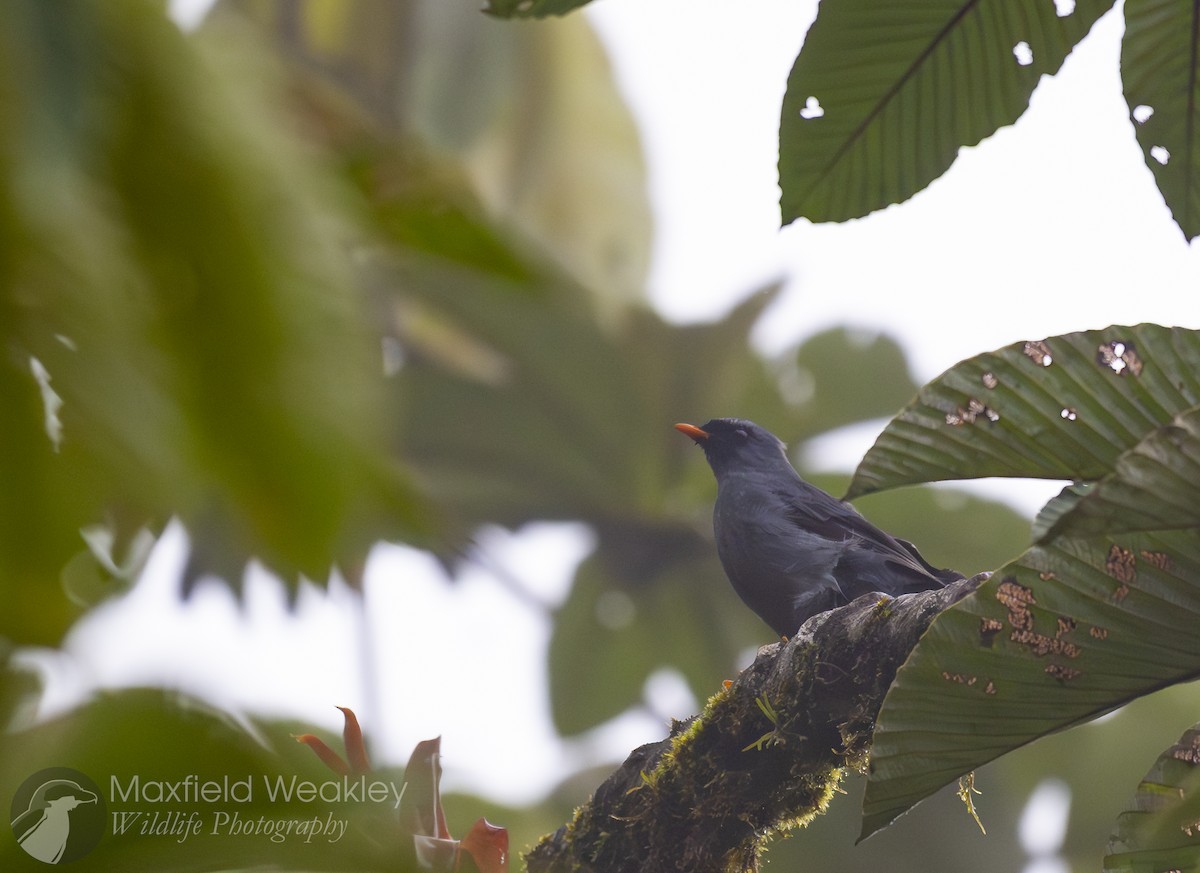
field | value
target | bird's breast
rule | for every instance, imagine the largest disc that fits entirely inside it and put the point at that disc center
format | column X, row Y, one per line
column 760, row 545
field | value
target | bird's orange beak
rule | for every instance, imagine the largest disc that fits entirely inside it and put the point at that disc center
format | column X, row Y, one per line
column 691, row 430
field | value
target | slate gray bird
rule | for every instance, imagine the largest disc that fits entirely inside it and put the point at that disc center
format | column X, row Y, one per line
column 790, row 549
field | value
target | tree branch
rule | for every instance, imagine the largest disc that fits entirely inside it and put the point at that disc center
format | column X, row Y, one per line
column 765, row 755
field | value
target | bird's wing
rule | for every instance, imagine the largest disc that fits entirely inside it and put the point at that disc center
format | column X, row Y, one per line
column 947, row 576
column 817, row 512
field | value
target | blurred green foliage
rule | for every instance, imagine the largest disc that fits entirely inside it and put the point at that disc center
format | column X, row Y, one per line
column 144, row 738
column 1158, row 826
column 319, row 274
column 178, row 265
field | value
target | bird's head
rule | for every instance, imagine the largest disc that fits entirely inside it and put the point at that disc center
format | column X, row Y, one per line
column 737, row 444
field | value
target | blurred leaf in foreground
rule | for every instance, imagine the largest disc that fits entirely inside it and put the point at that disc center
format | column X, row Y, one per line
column 181, row 329
column 149, row 753
column 529, row 116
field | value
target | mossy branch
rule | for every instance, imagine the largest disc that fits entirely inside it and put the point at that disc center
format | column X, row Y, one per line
column 766, row 754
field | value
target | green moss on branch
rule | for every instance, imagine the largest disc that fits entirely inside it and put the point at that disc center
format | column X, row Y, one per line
column 765, row 755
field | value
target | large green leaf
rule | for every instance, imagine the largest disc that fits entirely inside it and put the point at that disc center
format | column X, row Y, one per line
column 1102, row 610
column 1152, row 486
column 1160, row 826
column 881, row 99
column 1159, row 66
column 1061, row 408
column 1069, row 631
column 1097, row 763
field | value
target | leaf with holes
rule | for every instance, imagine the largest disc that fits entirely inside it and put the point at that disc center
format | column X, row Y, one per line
column 1061, row 408
column 879, row 102
column 1067, row 632
column 1152, row 487
column 1160, row 827
column 1159, row 64
column 1077, row 626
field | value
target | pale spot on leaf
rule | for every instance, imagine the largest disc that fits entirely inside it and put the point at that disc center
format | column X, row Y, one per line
column 1142, row 113
column 1023, row 53
column 1160, row 154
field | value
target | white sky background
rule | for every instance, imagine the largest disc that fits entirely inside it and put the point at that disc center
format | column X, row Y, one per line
column 1050, row 226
